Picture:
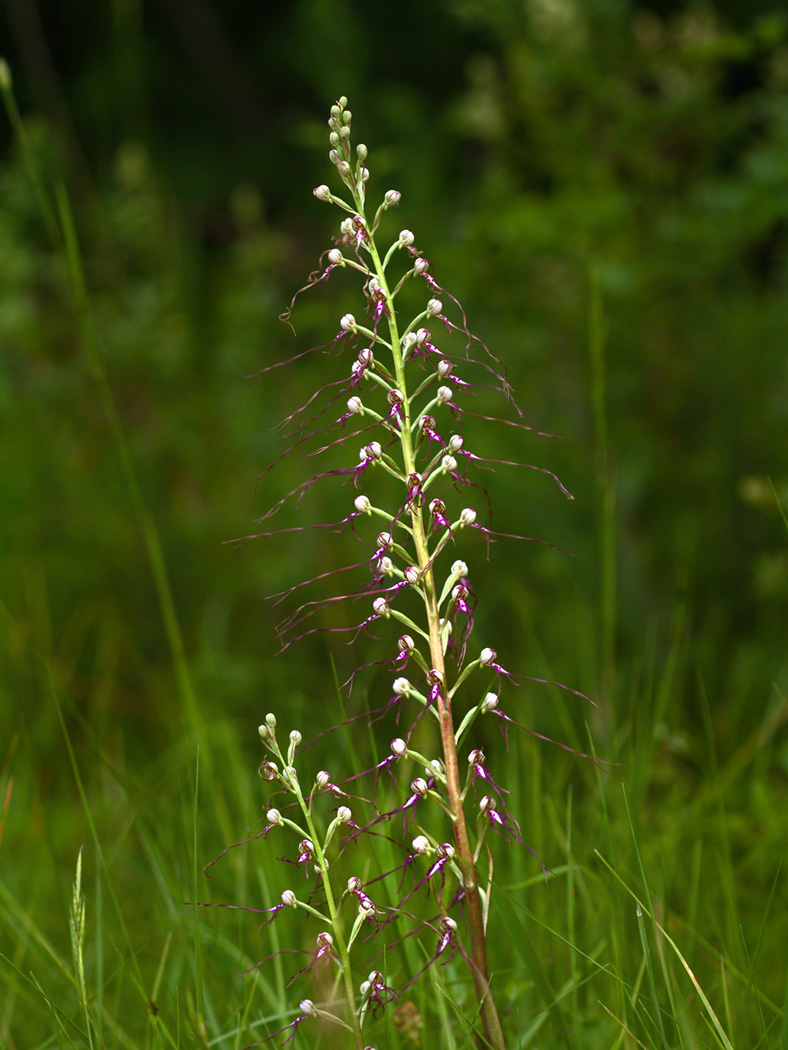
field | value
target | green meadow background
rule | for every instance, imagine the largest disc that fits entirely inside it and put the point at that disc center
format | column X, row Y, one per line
column 604, row 187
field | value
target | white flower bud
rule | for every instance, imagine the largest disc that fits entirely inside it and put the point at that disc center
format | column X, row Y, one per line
column 384, row 540
column 445, row 850
column 408, row 341
column 412, row 575
column 421, row 844
column 348, row 323
column 334, row 138
column 386, row 566
column 374, row 451
column 289, row 899
column 336, row 258
column 406, row 642
column 448, row 925
column 362, row 504
column 419, row 786
column 366, row 357
column 347, row 116
column 405, row 239
column 273, row 816
column 398, row 747
column 487, row 656
column 346, row 227
column 322, row 780
column 420, row 266
column 401, row 686
column 323, row 193
column 270, row 721
column 381, row 607
column 448, row 464
column 489, row 703
column 456, row 441
column 434, row 307
column 264, row 733
column 392, row 198
column 355, row 406
column 467, row 516
column 363, row 174
column 295, row 737
column 344, row 170
column 307, row 1008
column 365, row 988
column 361, row 152
column 444, row 368
column 444, row 395
column 344, row 816
column 459, row 568
column 422, row 336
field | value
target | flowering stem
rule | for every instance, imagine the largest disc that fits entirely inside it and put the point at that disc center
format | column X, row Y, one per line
column 465, row 855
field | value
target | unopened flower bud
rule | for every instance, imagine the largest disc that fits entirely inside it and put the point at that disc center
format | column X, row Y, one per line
column 295, row 737
column 419, row 786
column 421, row 266
column 361, row 152
column 344, row 170
column 386, row 566
column 374, row 451
column 264, row 733
column 363, row 174
column 444, row 395
column 412, row 575
column 322, row 780
column 406, row 643
column 398, row 747
column 347, row 115
column 445, row 851
column 448, row 925
column 489, row 703
column 467, row 516
column 355, row 406
column 270, row 721
column 323, row 193
column 381, row 607
column 421, row 844
column 348, row 323
column 392, row 198
column 448, row 464
column 336, row 258
column 346, row 227
column 459, row 568
column 273, row 816
column 487, row 656
column 405, row 239
column 289, row 899
column 444, row 369
column 384, row 540
column 334, row 139
column 456, row 441
column 401, row 687
column 422, row 336
column 434, row 308
column 366, row 357
column 344, row 816
column 362, row 504
column 307, row 1008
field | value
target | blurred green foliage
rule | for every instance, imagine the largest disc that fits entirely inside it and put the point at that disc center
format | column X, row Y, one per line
column 544, row 148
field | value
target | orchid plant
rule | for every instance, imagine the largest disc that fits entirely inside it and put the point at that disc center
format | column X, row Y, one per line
column 406, row 400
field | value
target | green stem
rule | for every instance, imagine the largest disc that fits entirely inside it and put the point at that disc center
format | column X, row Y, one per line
column 464, row 851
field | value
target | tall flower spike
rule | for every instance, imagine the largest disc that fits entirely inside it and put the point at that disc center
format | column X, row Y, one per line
column 394, row 418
